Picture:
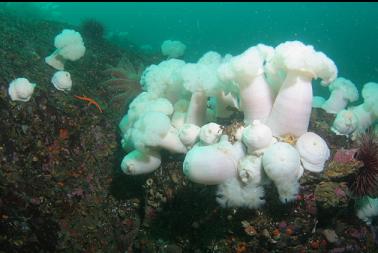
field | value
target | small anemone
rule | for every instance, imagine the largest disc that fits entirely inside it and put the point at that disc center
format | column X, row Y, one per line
column 365, row 182
column 91, row 28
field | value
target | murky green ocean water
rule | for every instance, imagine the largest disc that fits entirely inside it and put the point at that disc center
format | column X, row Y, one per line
column 346, row 32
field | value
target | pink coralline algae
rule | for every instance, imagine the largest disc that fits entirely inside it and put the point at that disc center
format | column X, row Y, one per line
column 345, row 155
column 340, row 193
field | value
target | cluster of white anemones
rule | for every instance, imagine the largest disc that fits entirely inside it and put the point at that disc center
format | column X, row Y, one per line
column 272, row 87
column 70, row 46
column 353, row 120
column 356, row 119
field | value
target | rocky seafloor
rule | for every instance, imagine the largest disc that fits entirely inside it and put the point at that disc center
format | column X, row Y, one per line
column 61, row 188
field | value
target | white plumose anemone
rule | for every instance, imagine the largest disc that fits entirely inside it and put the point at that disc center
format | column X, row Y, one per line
column 21, row 89
column 196, row 113
column 345, row 123
column 212, row 164
column 357, row 119
column 153, row 130
column 202, row 81
column 62, row 80
column 137, row 162
column 342, row 91
column 247, row 71
column 173, row 48
column 189, row 134
column 292, row 107
column 272, row 87
column 257, row 137
column 69, row 46
column 281, row 163
column 313, row 150
column 210, row 133
column 164, row 80
column 143, row 103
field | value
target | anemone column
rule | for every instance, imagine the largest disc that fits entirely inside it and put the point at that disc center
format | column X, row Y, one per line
column 256, row 99
column 197, row 109
column 292, row 108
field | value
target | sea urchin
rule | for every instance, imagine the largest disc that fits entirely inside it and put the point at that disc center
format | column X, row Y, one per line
column 365, row 182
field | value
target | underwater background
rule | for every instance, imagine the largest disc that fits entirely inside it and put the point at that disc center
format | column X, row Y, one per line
column 347, row 32
column 62, row 188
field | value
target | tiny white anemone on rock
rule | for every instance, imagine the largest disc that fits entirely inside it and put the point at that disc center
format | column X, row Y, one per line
column 342, row 91
column 137, row 162
column 69, row 46
column 21, row 89
column 62, row 80
column 313, row 150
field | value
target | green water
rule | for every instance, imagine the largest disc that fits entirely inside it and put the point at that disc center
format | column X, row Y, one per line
column 346, row 32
